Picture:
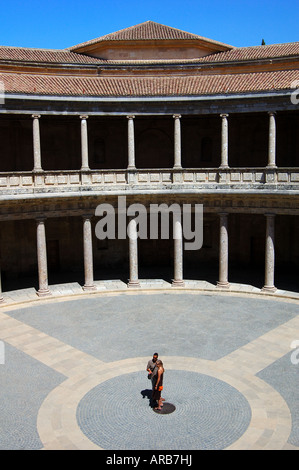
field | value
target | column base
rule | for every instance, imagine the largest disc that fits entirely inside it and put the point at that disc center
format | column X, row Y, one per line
column 2, row 300
column 89, row 288
column 44, row 292
column 132, row 284
column 223, row 284
column 177, row 283
column 269, row 289
column 85, row 168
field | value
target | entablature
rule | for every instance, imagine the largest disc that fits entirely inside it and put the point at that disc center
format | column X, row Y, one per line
column 15, row 103
column 57, row 202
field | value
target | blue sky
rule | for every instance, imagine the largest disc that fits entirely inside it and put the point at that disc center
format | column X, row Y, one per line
column 58, row 24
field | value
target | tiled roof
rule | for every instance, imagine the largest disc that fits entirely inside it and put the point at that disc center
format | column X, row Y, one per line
column 148, row 86
column 254, row 52
column 28, row 54
column 53, row 56
column 146, row 31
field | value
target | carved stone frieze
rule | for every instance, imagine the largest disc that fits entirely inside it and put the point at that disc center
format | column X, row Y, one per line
column 213, row 202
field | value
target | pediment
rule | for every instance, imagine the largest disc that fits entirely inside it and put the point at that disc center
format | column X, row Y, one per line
column 150, row 41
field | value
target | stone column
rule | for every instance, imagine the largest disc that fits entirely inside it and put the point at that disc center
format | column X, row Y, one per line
column 223, row 251
column 42, row 258
column 88, row 254
column 36, row 143
column 1, row 296
column 272, row 141
column 178, row 254
column 131, row 143
column 177, row 141
column 224, row 141
column 84, row 144
column 133, row 254
column 269, row 254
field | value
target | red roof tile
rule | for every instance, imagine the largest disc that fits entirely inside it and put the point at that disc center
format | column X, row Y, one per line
column 146, row 31
column 53, row 56
column 26, row 54
column 148, row 86
column 255, row 52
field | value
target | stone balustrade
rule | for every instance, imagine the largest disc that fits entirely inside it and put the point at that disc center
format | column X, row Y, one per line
column 64, row 181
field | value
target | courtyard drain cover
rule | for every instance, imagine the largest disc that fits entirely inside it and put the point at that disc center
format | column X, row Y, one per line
column 167, row 408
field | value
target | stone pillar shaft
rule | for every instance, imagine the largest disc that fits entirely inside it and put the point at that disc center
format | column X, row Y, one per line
column 178, row 254
column 223, row 251
column 269, row 253
column 133, row 254
column 88, row 254
column 272, row 142
column 224, row 141
column 84, row 143
column 177, row 141
column 36, row 143
column 42, row 258
column 131, row 143
column 1, row 296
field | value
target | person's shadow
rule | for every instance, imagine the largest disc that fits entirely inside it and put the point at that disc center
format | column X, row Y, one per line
column 147, row 393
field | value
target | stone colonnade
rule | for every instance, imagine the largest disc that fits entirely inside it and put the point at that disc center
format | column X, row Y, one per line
column 178, row 279
column 131, row 142
column 269, row 252
column 133, row 242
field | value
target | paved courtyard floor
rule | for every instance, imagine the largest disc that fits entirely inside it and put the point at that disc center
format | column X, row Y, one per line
column 73, row 368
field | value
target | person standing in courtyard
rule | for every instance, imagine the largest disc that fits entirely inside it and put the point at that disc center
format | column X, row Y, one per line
column 152, row 369
column 159, row 385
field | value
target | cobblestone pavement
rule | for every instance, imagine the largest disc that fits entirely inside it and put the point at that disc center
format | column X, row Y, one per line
column 73, row 372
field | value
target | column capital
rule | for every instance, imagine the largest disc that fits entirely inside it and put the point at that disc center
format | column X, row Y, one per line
column 271, row 113
column 223, row 214
column 270, row 214
column 35, row 116
column 224, row 115
column 84, row 116
column 177, row 116
column 130, row 116
column 87, row 215
column 40, row 219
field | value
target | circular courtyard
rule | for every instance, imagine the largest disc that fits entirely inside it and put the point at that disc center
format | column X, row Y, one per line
column 75, row 371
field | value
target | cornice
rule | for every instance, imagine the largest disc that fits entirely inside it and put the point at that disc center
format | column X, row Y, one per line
column 127, row 68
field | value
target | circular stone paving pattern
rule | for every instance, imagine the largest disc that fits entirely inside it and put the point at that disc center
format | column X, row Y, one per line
column 209, row 413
